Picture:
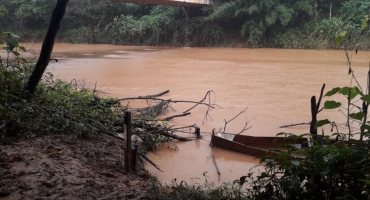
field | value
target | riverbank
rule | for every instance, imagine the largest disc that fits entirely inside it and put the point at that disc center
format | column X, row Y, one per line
column 61, row 167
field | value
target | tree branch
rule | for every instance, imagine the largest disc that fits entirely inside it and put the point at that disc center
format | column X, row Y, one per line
column 226, row 122
column 174, row 116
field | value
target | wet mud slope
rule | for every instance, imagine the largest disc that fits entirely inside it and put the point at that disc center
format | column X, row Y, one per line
column 62, row 167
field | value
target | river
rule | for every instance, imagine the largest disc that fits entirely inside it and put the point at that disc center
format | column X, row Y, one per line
column 275, row 86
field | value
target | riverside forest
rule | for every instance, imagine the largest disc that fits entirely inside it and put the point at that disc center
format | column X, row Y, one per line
column 304, row 24
column 82, row 115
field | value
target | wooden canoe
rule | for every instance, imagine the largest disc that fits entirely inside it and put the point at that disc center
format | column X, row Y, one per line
column 253, row 145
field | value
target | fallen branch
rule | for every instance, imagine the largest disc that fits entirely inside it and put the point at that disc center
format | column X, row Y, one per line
column 174, row 116
column 147, row 96
column 298, row 124
column 155, row 110
column 151, row 162
column 214, row 162
column 174, row 136
column 201, row 102
column 167, row 100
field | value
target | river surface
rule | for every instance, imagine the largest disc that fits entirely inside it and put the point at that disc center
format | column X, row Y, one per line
column 274, row 85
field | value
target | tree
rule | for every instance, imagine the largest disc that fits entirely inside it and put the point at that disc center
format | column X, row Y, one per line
column 47, row 46
column 259, row 19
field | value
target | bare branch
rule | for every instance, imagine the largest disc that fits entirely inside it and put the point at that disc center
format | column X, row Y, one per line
column 245, row 127
column 226, row 122
column 147, row 96
column 150, row 161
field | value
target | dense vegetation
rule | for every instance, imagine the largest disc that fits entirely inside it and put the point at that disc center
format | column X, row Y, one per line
column 252, row 23
column 329, row 169
column 58, row 107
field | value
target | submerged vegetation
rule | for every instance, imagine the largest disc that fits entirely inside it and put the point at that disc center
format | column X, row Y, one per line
column 254, row 23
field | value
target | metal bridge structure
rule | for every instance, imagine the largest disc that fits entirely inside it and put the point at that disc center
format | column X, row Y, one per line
column 182, row 3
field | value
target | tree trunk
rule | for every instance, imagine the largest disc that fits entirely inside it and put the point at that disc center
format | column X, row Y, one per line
column 47, row 46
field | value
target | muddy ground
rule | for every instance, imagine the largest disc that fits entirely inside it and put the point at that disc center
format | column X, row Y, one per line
column 62, row 167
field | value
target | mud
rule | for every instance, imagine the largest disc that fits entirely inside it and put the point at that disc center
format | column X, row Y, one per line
column 61, row 167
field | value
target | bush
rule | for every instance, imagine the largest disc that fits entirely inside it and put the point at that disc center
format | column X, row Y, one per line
column 56, row 107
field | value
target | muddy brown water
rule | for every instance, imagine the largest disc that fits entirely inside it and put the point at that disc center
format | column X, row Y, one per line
column 276, row 85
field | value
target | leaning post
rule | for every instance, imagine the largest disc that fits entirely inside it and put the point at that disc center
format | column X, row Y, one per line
column 127, row 130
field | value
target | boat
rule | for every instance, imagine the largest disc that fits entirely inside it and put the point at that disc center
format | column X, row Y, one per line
column 255, row 145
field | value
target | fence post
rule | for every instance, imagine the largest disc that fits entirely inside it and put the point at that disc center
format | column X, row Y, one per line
column 197, row 132
column 134, row 157
column 127, row 130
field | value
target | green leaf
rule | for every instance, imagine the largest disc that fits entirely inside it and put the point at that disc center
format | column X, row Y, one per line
column 332, row 92
column 339, row 39
column 331, row 104
column 357, row 116
column 365, row 127
column 321, row 123
column 366, row 98
column 346, row 91
column 358, row 91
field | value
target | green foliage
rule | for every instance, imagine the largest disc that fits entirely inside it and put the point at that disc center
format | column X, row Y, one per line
column 35, row 13
column 283, row 24
column 261, row 19
column 354, row 12
column 3, row 12
column 56, row 107
column 161, row 25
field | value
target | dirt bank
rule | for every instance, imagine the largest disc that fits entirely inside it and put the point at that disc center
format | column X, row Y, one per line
column 62, row 167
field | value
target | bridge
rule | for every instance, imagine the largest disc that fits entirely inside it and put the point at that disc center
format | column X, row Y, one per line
column 183, row 3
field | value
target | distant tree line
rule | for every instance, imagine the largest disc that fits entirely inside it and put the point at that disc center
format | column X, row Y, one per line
column 248, row 23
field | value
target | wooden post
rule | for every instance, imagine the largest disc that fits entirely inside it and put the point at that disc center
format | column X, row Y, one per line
column 197, row 132
column 127, row 130
column 134, row 157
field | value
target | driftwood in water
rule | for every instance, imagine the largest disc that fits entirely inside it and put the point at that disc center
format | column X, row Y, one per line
column 153, row 111
column 214, row 162
column 150, row 161
column 298, row 124
column 175, row 136
column 174, row 116
column 147, row 96
column 154, row 97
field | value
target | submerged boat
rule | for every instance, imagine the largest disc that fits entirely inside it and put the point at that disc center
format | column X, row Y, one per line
column 254, row 145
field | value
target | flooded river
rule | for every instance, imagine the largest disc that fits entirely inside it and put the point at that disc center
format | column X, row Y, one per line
column 276, row 85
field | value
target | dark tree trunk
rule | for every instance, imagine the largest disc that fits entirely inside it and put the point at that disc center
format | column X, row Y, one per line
column 47, row 45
